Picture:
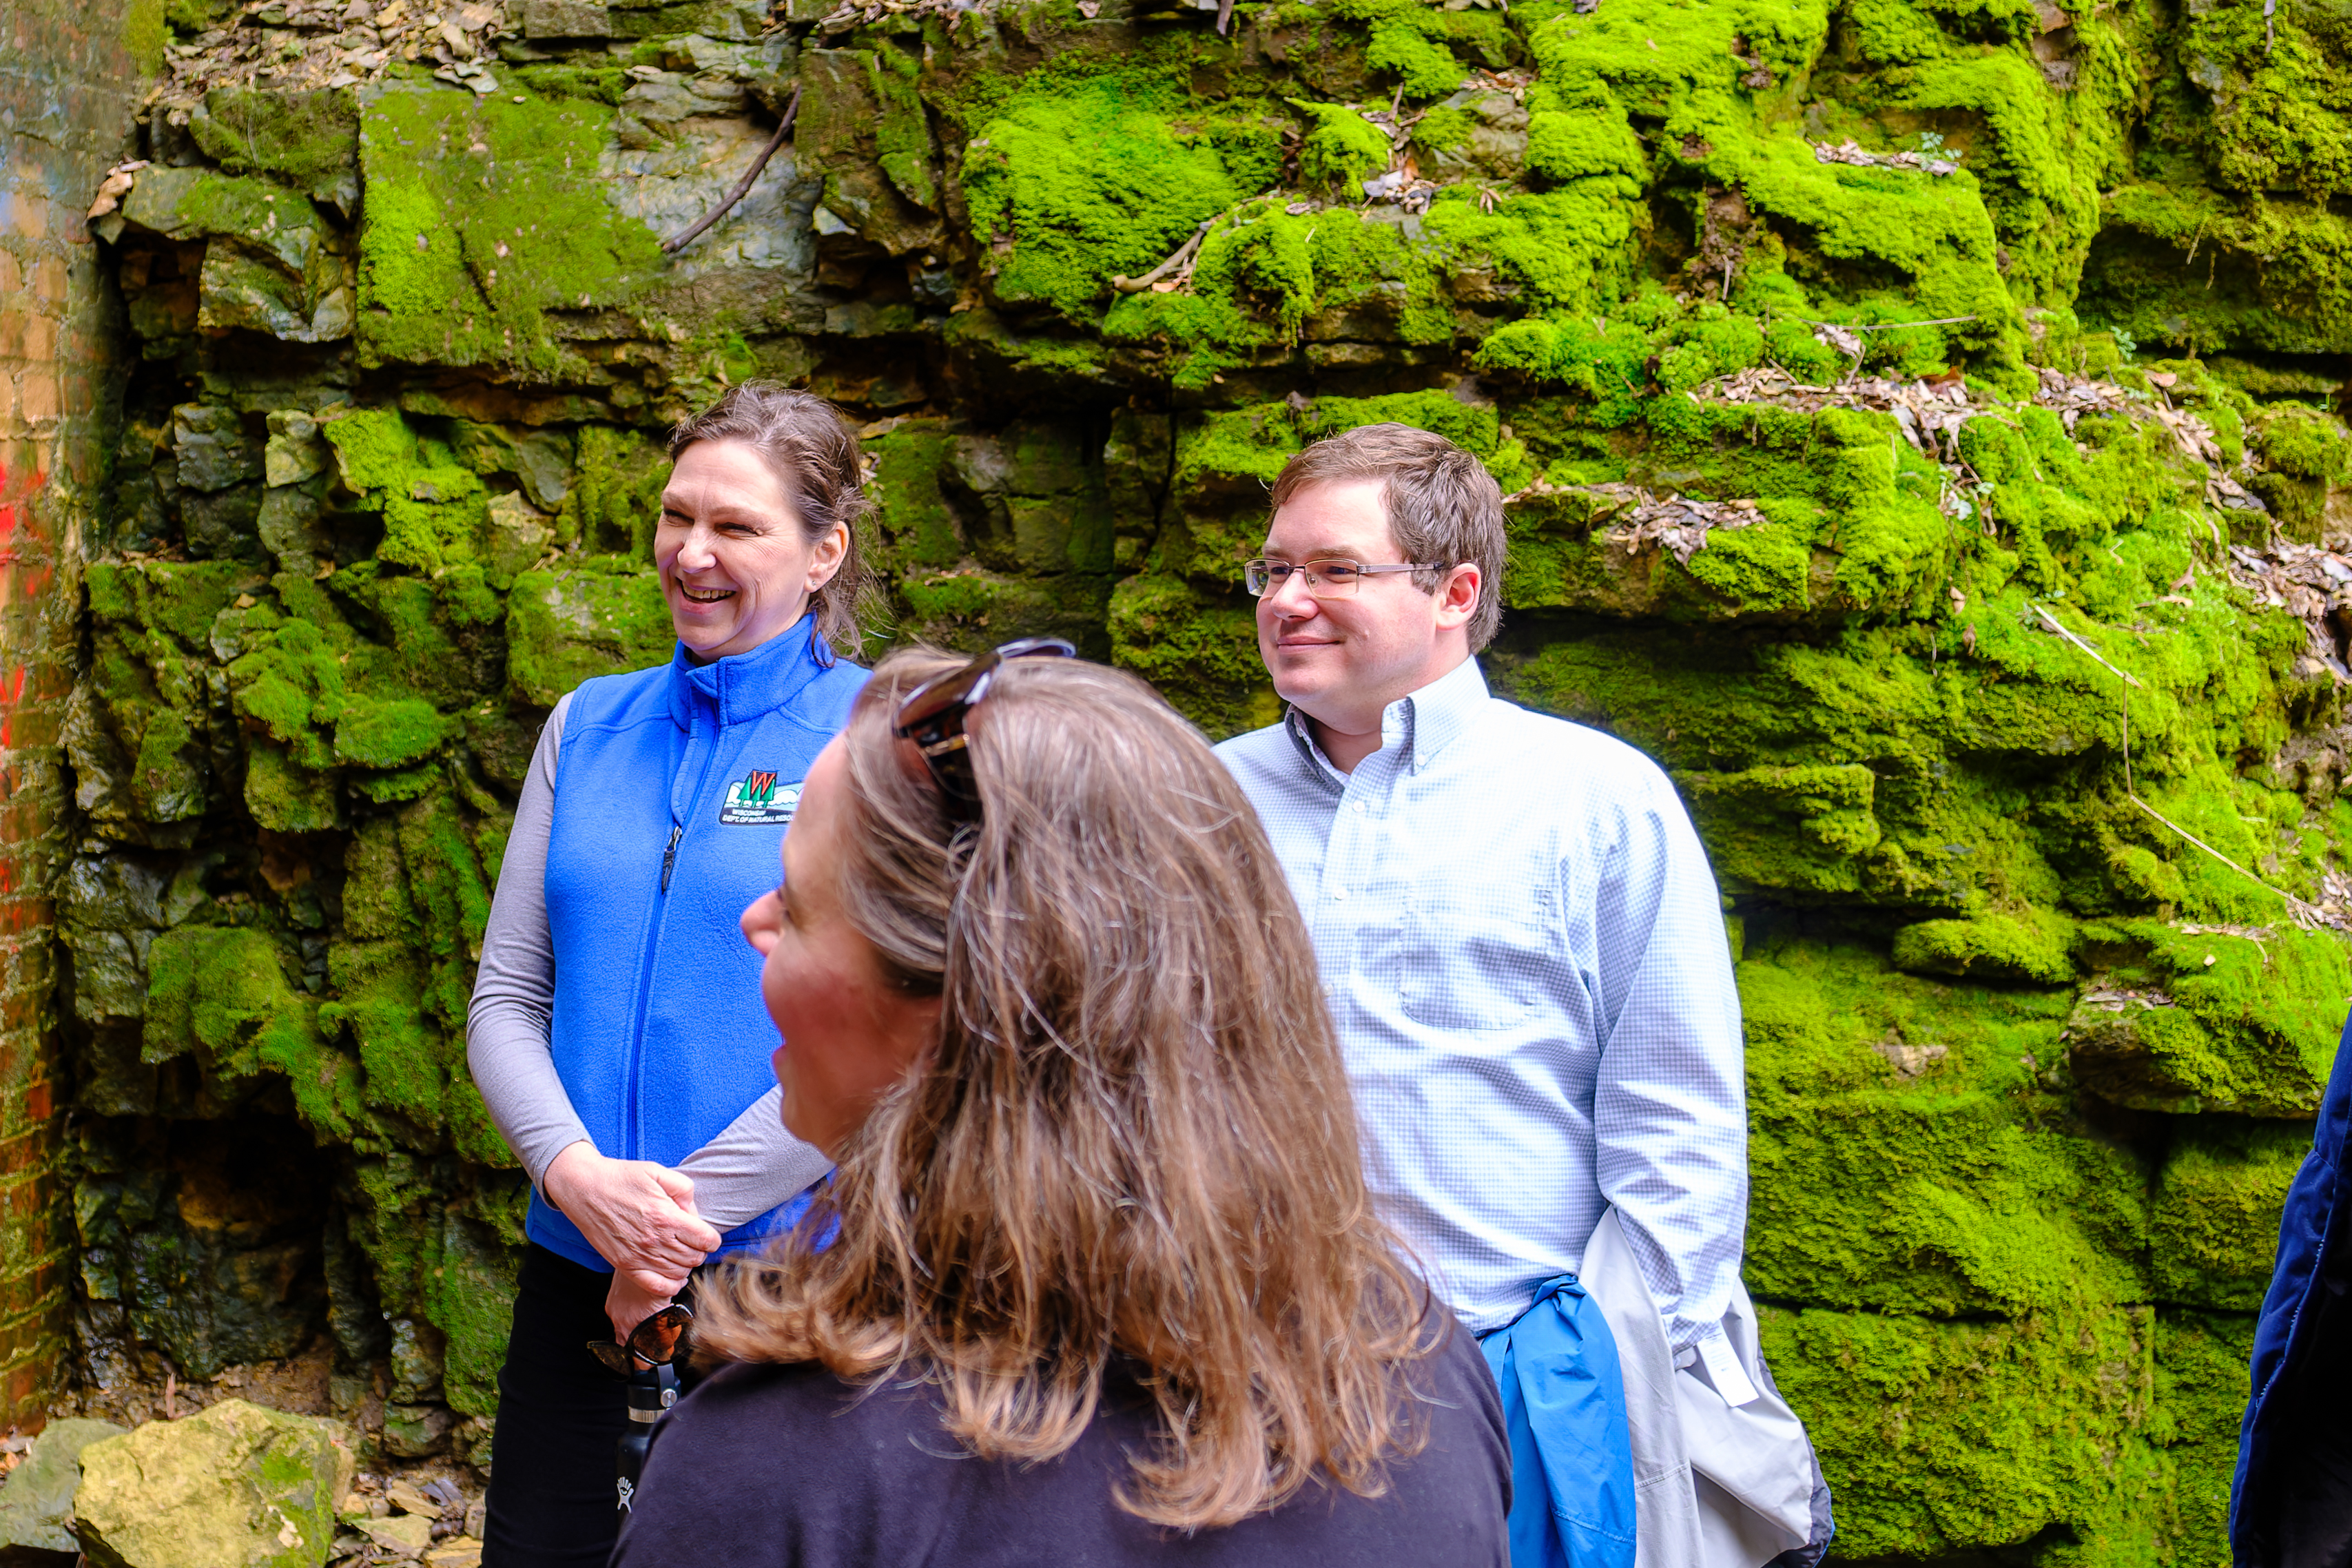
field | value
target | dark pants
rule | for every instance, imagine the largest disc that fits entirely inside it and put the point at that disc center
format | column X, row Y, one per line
column 551, row 1502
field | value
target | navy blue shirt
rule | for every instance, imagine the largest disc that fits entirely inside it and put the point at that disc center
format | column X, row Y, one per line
column 761, row 1467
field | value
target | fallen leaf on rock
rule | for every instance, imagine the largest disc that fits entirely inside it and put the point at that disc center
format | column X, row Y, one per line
column 1849, row 152
column 2116, row 1000
column 115, row 187
column 1830, row 335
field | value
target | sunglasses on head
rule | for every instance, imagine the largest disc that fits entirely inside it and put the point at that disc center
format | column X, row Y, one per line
column 656, row 1341
column 933, row 715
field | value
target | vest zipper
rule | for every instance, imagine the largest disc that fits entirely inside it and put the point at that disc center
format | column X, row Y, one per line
column 650, row 955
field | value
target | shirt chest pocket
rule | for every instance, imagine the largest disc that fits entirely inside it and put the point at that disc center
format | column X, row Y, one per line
column 1479, row 955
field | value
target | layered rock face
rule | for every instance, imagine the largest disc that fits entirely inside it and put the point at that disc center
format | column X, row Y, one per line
column 1918, row 421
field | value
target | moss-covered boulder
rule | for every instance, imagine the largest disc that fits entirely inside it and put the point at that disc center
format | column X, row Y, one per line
column 234, row 1484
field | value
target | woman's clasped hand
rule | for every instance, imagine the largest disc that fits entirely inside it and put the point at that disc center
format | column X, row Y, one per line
column 639, row 1217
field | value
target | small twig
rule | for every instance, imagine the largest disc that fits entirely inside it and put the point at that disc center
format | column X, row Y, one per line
column 2052, row 623
column 743, row 185
column 1181, row 262
column 1886, row 326
column 1126, row 285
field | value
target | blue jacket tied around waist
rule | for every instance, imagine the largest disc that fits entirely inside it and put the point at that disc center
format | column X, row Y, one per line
column 1571, row 1455
column 673, row 787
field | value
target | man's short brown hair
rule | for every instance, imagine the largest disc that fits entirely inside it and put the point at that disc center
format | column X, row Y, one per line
column 1443, row 508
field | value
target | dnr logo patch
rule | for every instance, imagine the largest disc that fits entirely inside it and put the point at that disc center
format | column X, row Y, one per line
column 756, row 798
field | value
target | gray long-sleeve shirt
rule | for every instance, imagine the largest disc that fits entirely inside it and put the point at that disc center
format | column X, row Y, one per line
column 749, row 1168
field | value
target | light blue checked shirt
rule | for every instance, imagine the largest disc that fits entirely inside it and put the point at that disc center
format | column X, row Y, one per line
column 1523, row 952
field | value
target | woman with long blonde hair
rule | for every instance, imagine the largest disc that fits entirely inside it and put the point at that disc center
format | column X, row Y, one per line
column 1096, row 1279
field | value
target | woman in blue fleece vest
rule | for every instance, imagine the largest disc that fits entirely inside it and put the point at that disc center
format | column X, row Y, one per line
column 616, row 1029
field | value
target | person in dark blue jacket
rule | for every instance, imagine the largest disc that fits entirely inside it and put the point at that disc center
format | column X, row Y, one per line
column 617, row 1030
column 2291, row 1504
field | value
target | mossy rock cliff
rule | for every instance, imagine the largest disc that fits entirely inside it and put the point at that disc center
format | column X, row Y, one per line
column 1921, row 424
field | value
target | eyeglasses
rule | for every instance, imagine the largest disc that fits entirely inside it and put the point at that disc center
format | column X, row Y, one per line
column 1323, row 579
column 655, row 1342
column 933, row 717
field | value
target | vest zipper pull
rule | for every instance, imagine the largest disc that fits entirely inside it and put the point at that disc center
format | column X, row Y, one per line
column 669, row 856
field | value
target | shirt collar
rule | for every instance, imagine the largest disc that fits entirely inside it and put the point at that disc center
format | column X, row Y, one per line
column 1419, row 725
column 746, row 686
column 1443, row 710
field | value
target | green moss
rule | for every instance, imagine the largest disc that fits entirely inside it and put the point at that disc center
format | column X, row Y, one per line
column 566, row 624
column 1260, row 279
column 2025, row 945
column 483, row 215
column 2199, row 270
column 2215, row 1220
column 291, row 684
column 598, row 84
column 915, row 515
column 432, row 638
column 470, row 1298
column 1605, row 363
column 1798, row 829
column 1897, row 1165
column 1443, row 130
column 2278, row 119
column 1342, row 148
column 2018, row 1230
column 401, row 1053
column 1424, row 67
column 615, row 500
column 310, row 139
column 390, row 734
column 1568, row 248
column 2251, row 1025
column 144, row 33
column 2307, row 456
column 1943, row 1435
column 1202, row 653
column 1592, row 141
column 1077, row 178
column 223, row 995
column 434, row 510
column 180, row 598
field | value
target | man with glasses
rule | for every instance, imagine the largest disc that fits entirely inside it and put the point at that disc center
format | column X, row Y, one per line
column 1523, row 949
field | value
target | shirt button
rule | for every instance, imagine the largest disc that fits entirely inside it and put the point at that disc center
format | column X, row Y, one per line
column 1361, row 808
column 1339, row 895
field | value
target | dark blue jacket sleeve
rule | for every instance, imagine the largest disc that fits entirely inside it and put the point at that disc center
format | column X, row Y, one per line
column 2312, row 1250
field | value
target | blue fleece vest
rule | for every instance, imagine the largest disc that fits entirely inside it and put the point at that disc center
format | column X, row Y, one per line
column 672, row 789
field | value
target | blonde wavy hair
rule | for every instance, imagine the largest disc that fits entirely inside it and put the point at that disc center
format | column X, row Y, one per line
column 1132, row 1142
